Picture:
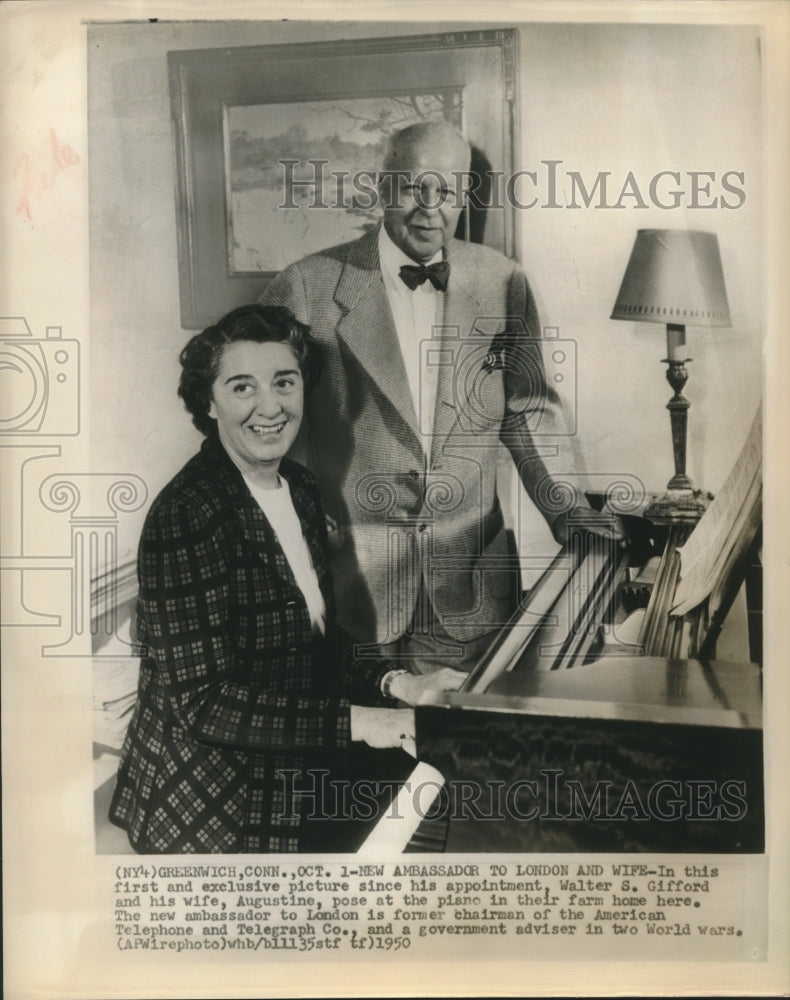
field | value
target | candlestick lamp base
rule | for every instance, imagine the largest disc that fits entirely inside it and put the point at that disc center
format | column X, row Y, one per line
column 677, row 506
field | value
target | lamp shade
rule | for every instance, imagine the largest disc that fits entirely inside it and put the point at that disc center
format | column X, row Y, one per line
column 674, row 276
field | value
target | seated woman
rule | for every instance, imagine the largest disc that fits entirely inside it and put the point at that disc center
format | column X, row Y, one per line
column 248, row 697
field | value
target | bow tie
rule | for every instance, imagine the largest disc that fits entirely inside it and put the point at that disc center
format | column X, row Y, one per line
column 416, row 274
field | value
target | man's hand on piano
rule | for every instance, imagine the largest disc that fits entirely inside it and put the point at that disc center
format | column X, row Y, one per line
column 383, row 727
column 594, row 522
column 409, row 688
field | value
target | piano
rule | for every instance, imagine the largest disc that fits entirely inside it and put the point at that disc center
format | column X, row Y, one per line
column 600, row 720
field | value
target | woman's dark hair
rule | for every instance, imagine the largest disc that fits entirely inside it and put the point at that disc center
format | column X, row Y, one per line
column 202, row 356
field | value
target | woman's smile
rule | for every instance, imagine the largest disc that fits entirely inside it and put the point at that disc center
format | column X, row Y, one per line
column 268, row 429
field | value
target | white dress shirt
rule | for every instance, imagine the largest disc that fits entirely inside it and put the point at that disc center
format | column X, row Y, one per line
column 278, row 507
column 416, row 315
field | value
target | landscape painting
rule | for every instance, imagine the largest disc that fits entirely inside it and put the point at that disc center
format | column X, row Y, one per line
column 300, row 176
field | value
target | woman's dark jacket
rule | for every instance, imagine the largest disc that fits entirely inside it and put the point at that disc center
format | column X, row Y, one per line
column 238, row 702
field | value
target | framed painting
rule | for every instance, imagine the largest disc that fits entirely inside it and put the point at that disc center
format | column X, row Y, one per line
column 277, row 148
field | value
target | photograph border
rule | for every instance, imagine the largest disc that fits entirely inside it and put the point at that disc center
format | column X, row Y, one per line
column 58, row 893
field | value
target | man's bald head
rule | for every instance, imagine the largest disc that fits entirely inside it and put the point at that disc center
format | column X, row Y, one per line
column 431, row 136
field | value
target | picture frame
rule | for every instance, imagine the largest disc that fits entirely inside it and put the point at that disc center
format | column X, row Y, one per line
column 250, row 121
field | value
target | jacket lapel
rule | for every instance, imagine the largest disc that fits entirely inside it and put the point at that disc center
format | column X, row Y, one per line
column 311, row 517
column 258, row 533
column 461, row 309
column 368, row 330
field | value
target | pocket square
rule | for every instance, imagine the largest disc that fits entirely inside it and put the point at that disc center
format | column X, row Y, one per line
column 494, row 360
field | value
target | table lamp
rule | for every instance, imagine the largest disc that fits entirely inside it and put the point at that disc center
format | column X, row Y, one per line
column 675, row 277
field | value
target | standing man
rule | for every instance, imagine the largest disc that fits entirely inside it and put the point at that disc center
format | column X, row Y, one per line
column 433, row 356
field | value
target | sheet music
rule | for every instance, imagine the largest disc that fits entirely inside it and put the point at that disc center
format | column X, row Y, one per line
column 709, row 545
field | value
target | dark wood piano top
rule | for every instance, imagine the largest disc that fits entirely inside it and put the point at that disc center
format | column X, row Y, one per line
column 613, row 727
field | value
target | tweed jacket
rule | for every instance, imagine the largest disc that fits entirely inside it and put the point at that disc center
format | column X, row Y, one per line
column 235, row 689
column 404, row 516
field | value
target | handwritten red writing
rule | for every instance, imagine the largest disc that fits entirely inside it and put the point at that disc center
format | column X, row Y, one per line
column 36, row 181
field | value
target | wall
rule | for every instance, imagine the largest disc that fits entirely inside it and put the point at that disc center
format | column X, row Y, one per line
column 646, row 99
column 598, row 98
